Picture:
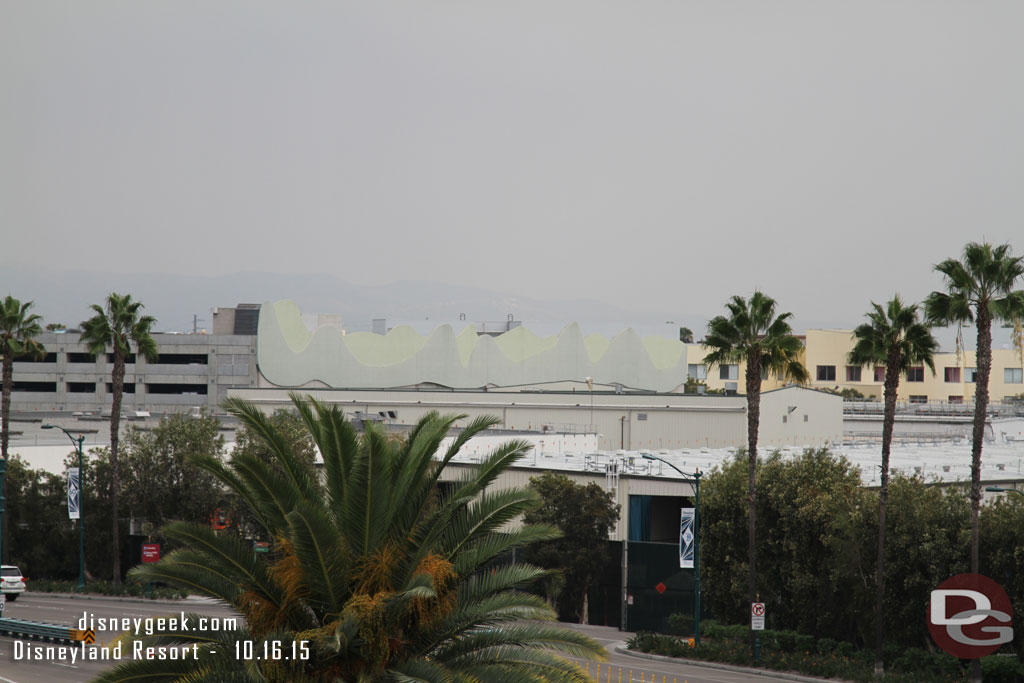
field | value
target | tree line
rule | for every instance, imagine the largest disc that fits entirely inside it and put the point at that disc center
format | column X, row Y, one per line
column 979, row 289
column 819, row 530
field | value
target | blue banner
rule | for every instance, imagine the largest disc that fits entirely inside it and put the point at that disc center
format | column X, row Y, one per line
column 686, row 538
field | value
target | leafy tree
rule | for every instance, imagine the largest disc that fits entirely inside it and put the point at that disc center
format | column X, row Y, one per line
column 979, row 290
column 584, row 514
column 18, row 328
column 381, row 574
column 1002, row 546
column 924, row 524
column 289, row 425
column 117, row 327
column 892, row 337
column 39, row 522
column 809, row 506
column 752, row 332
column 686, row 335
column 56, row 327
column 159, row 483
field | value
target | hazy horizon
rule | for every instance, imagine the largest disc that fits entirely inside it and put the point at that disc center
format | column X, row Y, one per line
column 651, row 157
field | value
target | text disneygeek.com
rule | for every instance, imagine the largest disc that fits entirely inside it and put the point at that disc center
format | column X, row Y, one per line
column 137, row 649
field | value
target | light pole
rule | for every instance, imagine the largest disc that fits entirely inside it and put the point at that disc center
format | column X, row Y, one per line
column 81, row 515
column 1000, row 489
column 695, row 478
column 3, row 473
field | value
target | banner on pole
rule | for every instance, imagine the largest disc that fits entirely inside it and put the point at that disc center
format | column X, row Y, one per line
column 686, row 538
column 74, row 492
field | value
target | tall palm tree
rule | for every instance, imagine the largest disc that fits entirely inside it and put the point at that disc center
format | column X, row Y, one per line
column 380, row 573
column 979, row 290
column 117, row 327
column 895, row 338
column 754, row 334
column 18, row 328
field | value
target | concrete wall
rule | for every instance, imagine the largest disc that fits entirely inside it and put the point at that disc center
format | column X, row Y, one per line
column 628, row 421
column 230, row 361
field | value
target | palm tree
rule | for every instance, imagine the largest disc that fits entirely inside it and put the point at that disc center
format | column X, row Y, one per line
column 754, row 334
column 374, row 567
column 979, row 290
column 895, row 338
column 117, row 327
column 17, row 329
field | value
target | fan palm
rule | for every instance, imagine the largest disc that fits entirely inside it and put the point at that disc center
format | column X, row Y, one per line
column 373, row 566
column 18, row 328
column 117, row 327
column 754, row 334
column 895, row 338
column 979, row 290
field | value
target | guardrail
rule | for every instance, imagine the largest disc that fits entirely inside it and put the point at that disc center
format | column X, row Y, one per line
column 36, row 630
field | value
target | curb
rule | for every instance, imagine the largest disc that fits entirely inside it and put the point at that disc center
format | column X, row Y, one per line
column 131, row 598
column 621, row 649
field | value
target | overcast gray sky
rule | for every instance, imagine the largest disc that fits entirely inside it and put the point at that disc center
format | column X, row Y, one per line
column 651, row 155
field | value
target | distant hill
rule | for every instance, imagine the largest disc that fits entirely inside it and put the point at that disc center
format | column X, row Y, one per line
column 64, row 297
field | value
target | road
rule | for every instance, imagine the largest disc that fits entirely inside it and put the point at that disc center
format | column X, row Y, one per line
column 52, row 667
column 633, row 669
column 57, row 664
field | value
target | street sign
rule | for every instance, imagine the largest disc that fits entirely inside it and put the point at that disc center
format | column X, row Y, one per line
column 261, row 546
column 757, row 616
column 150, row 552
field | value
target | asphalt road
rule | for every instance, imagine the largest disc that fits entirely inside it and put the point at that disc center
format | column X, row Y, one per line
column 56, row 666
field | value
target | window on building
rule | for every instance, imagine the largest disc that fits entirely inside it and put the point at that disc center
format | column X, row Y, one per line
column 826, row 373
column 728, row 372
column 879, row 373
column 75, row 357
column 952, row 375
column 183, row 359
column 970, row 375
column 853, row 373
column 918, row 399
column 1013, row 375
column 34, row 387
column 129, row 359
column 697, row 371
column 82, row 387
column 181, row 389
column 915, row 374
column 956, row 399
column 128, row 388
column 29, row 358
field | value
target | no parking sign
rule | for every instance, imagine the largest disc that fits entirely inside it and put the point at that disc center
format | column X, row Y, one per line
column 757, row 616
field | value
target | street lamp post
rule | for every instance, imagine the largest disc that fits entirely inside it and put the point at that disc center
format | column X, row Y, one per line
column 695, row 478
column 3, row 473
column 1000, row 489
column 81, row 515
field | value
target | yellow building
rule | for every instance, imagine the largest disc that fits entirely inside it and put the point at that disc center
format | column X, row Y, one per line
column 826, row 353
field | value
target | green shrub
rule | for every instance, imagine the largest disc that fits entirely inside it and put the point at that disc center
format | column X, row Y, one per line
column 681, row 624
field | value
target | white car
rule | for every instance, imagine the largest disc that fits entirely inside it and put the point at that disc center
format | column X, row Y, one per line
column 12, row 583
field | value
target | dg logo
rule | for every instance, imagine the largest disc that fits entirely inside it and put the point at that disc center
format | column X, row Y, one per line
column 969, row 616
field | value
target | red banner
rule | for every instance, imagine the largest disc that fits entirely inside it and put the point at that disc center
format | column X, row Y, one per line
column 150, row 552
